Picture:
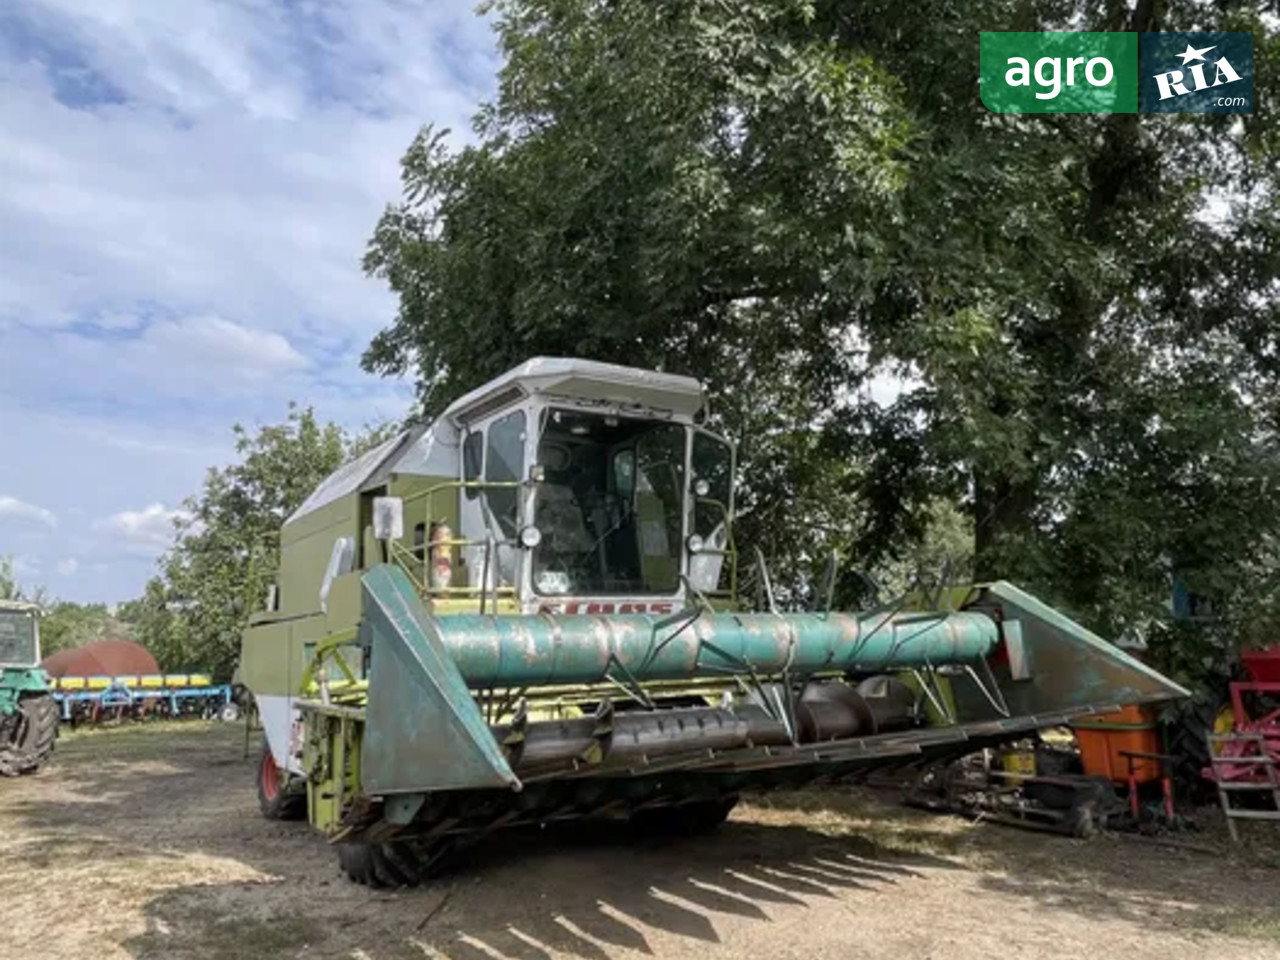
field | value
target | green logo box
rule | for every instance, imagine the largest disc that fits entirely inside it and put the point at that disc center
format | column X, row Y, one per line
column 1059, row 72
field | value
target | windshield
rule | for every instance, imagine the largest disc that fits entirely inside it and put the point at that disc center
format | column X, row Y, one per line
column 609, row 505
column 18, row 637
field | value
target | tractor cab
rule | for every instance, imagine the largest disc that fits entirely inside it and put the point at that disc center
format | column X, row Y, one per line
column 19, row 634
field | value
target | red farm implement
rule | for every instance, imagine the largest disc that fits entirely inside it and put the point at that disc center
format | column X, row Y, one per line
column 1247, row 759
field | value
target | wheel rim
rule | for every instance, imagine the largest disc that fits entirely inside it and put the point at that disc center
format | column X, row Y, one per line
column 270, row 775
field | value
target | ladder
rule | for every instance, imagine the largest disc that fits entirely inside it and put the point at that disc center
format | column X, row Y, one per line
column 1227, row 754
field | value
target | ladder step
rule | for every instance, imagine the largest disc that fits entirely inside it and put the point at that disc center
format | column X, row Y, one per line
column 1255, row 761
column 1264, row 785
column 1253, row 814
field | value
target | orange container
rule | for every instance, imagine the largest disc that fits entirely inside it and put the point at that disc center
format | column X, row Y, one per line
column 1103, row 740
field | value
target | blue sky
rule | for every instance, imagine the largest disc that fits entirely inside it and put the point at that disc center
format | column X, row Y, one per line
column 185, row 193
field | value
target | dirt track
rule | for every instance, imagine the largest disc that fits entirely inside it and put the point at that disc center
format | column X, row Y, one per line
column 145, row 842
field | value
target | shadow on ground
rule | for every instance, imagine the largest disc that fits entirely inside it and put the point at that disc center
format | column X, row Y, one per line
column 531, row 895
column 236, row 886
column 1193, row 880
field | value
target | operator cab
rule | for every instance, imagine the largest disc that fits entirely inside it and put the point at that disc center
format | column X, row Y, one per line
column 589, row 487
column 563, row 485
column 19, row 634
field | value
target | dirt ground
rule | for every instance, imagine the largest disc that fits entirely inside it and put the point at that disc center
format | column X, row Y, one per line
column 145, row 842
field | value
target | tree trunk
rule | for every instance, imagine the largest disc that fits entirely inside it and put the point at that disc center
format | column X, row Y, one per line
column 1001, row 515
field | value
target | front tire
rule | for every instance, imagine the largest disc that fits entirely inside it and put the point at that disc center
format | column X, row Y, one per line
column 30, row 735
column 400, row 863
column 281, row 795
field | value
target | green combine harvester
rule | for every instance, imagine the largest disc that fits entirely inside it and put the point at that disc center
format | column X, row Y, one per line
column 528, row 611
column 28, row 711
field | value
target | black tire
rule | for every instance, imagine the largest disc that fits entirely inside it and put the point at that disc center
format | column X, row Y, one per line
column 281, row 795
column 686, row 820
column 402, row 863
column 30, row 735
column 1185, row 740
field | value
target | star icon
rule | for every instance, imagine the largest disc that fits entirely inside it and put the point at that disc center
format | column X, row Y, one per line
column 1191, row 53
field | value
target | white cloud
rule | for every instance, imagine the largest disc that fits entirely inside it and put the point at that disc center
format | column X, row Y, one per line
column 212, row 340
column 246, row 166
column 148, row 532
column 13, row 507
column 186, row 191
column 68, row 565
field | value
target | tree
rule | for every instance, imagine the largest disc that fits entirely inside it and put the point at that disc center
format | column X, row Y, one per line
column 11, row 589
column 227, row 543
column 790, row 198
column 66, row 625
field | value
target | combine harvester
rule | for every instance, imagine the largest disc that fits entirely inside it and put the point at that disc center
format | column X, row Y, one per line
column 527, row 611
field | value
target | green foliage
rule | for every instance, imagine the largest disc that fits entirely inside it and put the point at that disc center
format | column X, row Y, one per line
column 789, row 199
column 66, row 624
column 226, row 550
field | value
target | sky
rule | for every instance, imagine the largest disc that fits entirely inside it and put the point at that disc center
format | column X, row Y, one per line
column 186, row 189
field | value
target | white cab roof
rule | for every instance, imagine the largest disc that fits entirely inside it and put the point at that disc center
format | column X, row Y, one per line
column 588, row 379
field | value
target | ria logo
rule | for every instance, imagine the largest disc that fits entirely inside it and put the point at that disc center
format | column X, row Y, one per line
column 1171, row 83
column 1102, row 72
column 1197, row 73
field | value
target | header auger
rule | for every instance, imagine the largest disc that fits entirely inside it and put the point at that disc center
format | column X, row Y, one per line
column 527, row 611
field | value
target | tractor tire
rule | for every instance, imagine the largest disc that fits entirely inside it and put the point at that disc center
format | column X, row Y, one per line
column 400, row 863
column 281, row 795
column 686, row 820
column 1184, row 736
column 30, row 736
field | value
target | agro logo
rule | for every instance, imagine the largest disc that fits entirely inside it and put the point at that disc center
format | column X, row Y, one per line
column 1059, row 72
column 1197, row 73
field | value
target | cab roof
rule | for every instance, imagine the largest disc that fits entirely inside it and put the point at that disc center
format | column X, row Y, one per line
column 584, row 379
column 549, row 376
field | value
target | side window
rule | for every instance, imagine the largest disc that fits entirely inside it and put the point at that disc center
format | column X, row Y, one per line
column 504, row 463
column 624, row 474
column 472, row 448
column 713, row 472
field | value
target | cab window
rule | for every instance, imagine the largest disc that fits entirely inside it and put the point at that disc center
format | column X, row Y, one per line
column 504, row 462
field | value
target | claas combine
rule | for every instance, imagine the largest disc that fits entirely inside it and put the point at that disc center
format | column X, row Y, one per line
column 528, row 611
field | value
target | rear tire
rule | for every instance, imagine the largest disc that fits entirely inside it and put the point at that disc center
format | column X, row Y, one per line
column 29, row 736
column 1185, row 740
column 281, row 795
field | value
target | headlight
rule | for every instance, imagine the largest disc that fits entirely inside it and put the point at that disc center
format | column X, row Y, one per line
column 530, row 537
column 701, row 488
column 552, row 581
column 694, row 543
